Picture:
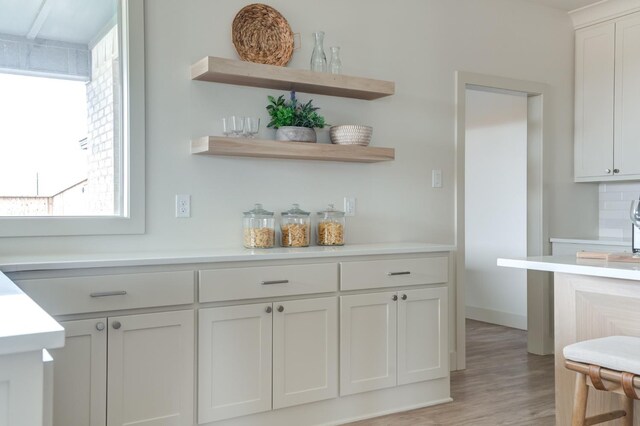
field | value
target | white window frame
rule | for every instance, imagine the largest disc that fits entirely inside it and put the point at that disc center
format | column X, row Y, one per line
column 132, row 220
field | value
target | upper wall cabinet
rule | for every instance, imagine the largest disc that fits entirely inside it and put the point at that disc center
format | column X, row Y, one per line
column 607, row 101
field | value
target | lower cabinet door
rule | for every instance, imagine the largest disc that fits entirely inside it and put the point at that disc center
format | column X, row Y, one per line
column 305, row 351
column 422, row 335
column 150, row 375
column 367, row 342
column 80, row 375
column 234, row 361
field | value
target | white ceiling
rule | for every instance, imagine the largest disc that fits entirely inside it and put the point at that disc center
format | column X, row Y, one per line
column 74, row 21
column 565, row 4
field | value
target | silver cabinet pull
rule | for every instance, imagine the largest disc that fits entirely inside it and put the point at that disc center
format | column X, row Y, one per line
column 280, row 308
column 393, row 274
column 100, row 326
column 116, row 325
column 616, row 171
column 404, row 297
column 275, row 282
column 395, row 297
column 268, row 310
column 108, row 293
column 607, row 171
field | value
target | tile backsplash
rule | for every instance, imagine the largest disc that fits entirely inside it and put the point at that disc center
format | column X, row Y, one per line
column 614, row 204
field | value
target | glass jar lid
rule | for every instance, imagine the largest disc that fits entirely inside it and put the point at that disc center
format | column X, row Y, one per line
column 295, row 211
column 331, row 212
column 258, row 212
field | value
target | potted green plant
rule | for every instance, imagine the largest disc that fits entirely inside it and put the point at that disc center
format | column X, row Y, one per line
column 292, row 120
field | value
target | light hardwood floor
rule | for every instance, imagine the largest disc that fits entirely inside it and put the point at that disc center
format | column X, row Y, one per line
column 502, row 385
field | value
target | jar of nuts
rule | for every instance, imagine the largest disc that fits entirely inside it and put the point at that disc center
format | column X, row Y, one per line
column 330, row 227
column 295, row 225
column 259, row 228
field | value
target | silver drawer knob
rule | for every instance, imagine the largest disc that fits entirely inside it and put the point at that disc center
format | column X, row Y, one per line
column 404, row 297
column 616, row 171
column 395, row 297
column 100, row 326
column 607, row 171
column 116, row 325
column 280, row 308
column 268, row 310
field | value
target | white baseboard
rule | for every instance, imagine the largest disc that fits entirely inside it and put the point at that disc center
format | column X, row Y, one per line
column 497, row 317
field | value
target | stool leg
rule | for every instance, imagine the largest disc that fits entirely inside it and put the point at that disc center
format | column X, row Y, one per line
column 628, row 408
column 580, row 401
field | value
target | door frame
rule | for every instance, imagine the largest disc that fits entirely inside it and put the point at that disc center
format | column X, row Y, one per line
column 539, row 287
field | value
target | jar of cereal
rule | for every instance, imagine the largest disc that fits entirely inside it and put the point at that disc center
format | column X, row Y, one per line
column 295, row 225
column 259, row 228
column 330, row 227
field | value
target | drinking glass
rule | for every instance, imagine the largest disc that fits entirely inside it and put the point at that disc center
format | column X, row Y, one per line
column 226, row 126
column 237, row 125
column 634, row 214
column 251, row 126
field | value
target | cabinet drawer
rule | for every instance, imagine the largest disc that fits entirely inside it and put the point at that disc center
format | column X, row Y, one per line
column 394, row 273
column 74, row 295
column 267, row 281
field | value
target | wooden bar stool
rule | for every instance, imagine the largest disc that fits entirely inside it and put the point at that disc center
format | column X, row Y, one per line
column 611, row 364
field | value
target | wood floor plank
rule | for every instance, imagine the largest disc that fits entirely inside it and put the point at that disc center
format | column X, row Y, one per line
column 502, row 385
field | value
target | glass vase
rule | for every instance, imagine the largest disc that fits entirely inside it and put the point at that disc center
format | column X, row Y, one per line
column 318, row 58
column 335, row 66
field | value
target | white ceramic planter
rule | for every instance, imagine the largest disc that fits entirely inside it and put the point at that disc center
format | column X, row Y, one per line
column 296, row 134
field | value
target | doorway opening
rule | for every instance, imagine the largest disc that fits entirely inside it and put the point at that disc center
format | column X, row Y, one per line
column 494, row 173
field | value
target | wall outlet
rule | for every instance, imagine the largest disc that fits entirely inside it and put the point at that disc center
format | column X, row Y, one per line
column 436, row 178
column 349, row 206
column 183, row 205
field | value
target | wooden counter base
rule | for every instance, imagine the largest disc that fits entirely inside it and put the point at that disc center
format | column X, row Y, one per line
column 585, row 308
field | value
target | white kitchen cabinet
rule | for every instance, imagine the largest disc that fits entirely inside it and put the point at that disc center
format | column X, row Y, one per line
column 145, row 376
column 234, row 361
column 305, row 351
column 422, row 335
column 236, row 368
column 607, row 101
column 368, row 327
column 392, row 338
column 627, row 96
column 150, row 369
column 80, row 375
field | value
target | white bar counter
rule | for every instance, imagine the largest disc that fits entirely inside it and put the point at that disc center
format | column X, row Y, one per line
column 592, row 298
column 25, row 331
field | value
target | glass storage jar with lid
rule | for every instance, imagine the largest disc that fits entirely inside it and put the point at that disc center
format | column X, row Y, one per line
column 330, row 227
column 259, row 228
column 295, row 226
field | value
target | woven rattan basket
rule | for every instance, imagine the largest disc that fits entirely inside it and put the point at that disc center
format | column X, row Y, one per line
column 350, row 134
column 262, row 35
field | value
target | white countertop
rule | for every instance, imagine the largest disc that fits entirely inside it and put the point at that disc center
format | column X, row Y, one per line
column 25, row 326
column 32, row 263
column 569, row 264
column 594, row 241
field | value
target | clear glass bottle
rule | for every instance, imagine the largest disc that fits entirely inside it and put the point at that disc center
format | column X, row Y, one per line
column 318, row 58
column 330, row 227
column 259, row 228
column 295, row 226
column 335, row 66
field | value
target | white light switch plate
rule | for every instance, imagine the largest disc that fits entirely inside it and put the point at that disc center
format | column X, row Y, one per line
column 349, row 206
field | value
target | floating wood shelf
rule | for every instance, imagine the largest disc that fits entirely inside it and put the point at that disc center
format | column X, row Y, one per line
column 243, row 73
column 237, row 147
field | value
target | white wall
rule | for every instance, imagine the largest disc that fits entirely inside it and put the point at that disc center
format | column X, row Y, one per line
column 495, row 206
column 419, row 44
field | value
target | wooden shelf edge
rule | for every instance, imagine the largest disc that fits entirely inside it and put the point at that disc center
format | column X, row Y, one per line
column 262, row 148
column 230, row 71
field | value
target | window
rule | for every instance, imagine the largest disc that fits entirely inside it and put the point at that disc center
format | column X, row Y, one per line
column 72, row 118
